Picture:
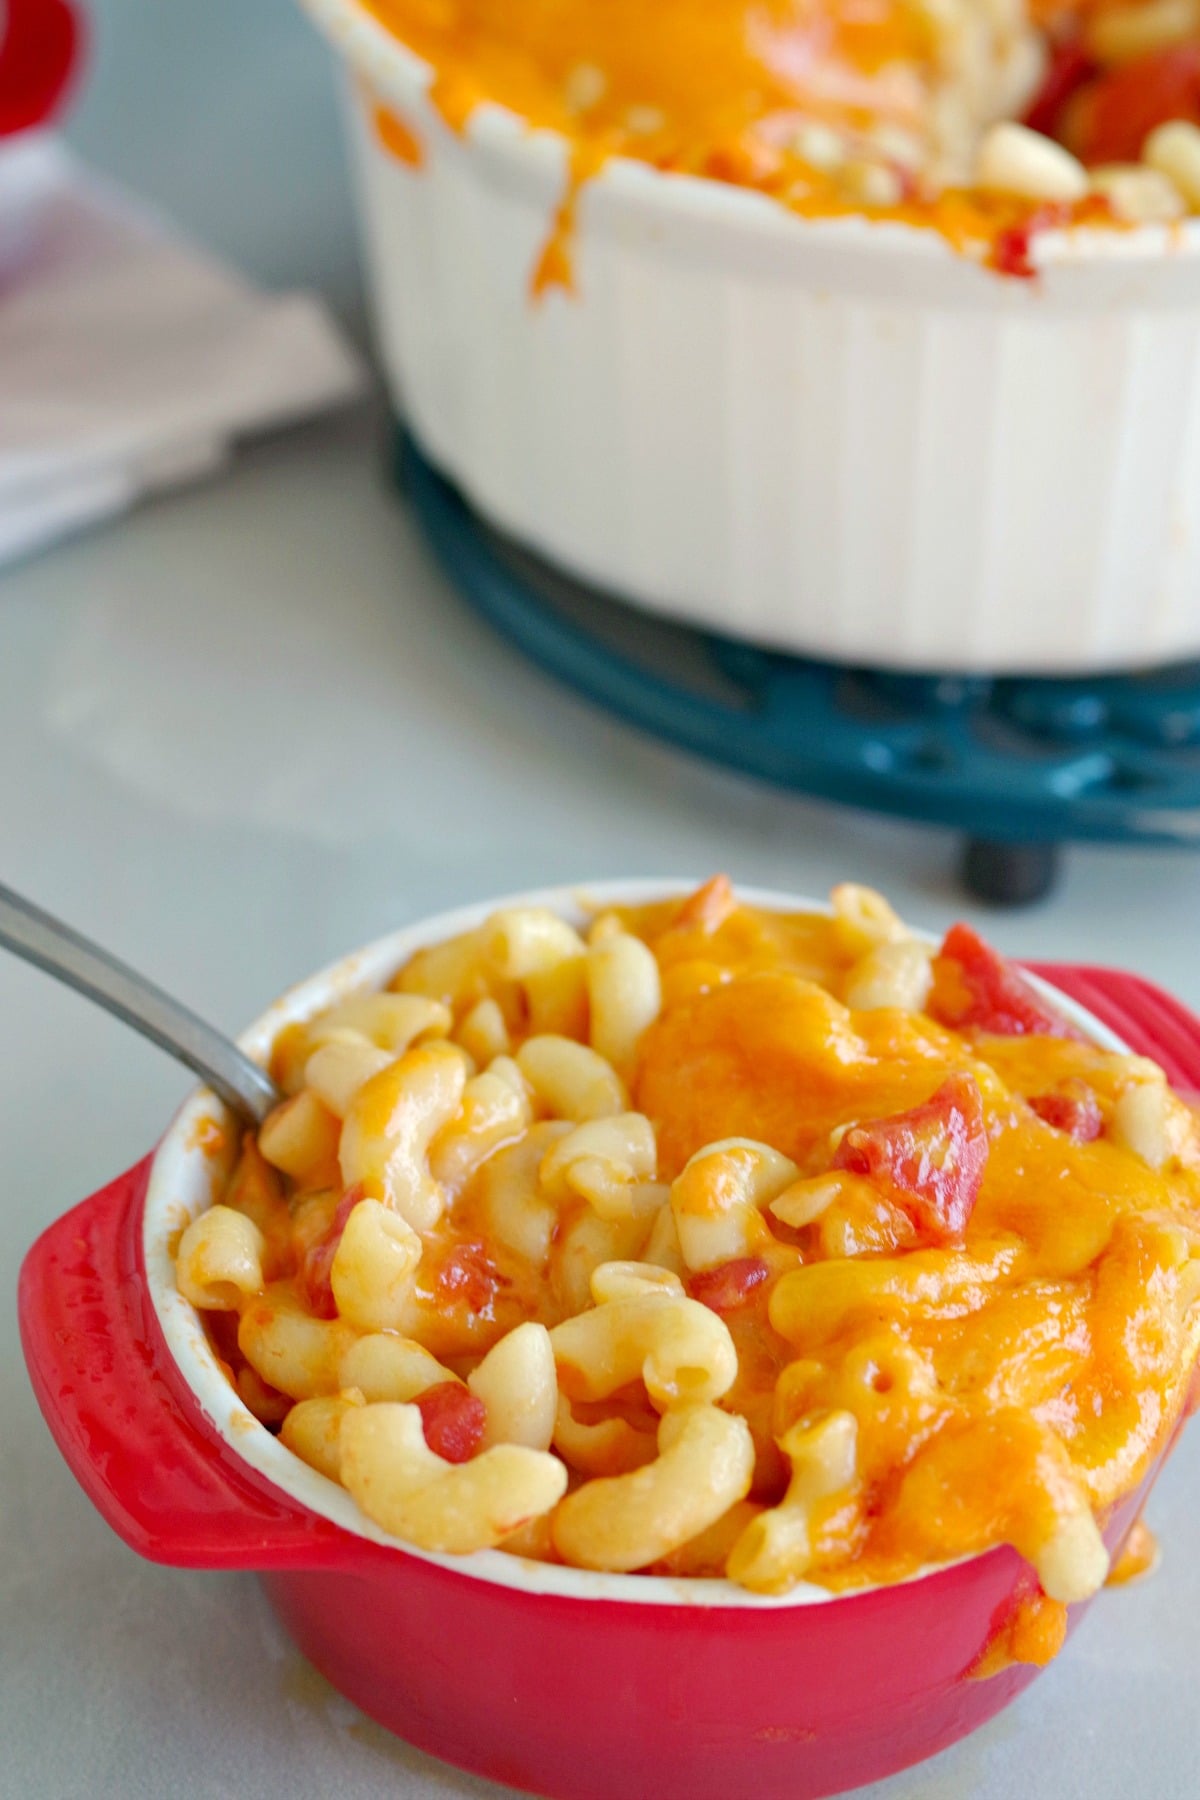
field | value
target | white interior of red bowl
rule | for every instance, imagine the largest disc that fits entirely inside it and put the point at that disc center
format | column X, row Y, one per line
column 193, row 1160
column 402, row 77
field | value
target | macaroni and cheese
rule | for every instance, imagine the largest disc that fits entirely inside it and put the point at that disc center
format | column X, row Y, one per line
column 706, row 1240
column 990, row 119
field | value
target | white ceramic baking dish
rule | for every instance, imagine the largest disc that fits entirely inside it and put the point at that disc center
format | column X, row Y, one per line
column 838, row 437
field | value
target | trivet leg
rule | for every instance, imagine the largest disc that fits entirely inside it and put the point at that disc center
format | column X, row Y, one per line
column 1009, row 874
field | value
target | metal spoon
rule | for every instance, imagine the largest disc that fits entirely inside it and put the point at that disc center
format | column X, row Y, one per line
column 54, row 947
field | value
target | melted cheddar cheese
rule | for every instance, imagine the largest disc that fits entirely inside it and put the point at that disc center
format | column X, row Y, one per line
column 1056, row 1341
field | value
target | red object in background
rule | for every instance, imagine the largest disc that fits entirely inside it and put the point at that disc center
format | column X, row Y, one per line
column 1069, row 69
column 1110, row 120
column 40, row 41
column 1012, row 252
column 577, row 1698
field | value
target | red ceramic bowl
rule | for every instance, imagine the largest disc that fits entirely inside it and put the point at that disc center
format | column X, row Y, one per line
column 39, row 51
column 555, row 1680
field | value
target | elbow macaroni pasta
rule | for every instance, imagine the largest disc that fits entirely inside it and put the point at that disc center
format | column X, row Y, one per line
column 714, row 1241
column 220, row 1259
column 778, row 1545
column 624, row 996
column 569, row 1079
column 704, row 1466
column 606, row 1162
column 339, row 1067
column 718, row 1199
column 312, row 1429
column 681, row 1351
column 381, row 1365
column 291, row 1351
column 390, row 1124
column 374, row 1267
column 436, row 1505
column 493, row 1112
column 518, row 1385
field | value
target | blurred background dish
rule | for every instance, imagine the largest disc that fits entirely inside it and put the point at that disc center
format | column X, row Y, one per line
column 831, row 435
column 1019, row 765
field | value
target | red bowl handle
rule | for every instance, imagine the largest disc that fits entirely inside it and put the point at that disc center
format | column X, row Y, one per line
column 40, row 41
column 133, row 1435
column 1149, row 1020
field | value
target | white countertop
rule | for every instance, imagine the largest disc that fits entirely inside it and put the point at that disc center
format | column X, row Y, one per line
column 251, row 727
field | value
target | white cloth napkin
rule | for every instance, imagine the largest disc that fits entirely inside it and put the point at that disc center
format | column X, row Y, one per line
column 130, row 360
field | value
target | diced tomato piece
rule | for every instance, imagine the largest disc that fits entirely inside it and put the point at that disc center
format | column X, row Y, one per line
column 1070, row 66
column 1110, row 120
column 1012, row 252
column 1073, row 1108
column 909, row 182
column 467, row 1276
column 928, row 1161
column 453, row 1420
column 315, row 1277
column 730, row 1284
column 981, row 989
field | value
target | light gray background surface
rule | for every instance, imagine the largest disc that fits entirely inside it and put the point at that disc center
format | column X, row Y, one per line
column 251, row 727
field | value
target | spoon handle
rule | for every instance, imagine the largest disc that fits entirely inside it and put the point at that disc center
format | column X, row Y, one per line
column 54, row 947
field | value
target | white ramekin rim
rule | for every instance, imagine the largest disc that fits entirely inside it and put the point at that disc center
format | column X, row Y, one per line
column 193, row 1158
column 401, row 76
